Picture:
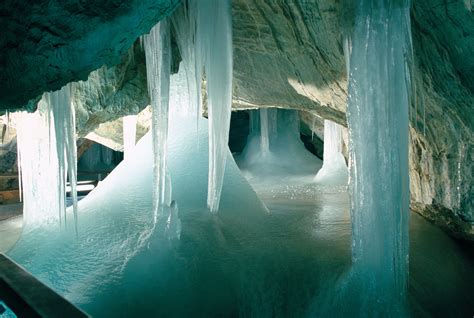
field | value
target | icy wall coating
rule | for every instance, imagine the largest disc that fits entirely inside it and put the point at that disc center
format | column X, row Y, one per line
column 304, row 39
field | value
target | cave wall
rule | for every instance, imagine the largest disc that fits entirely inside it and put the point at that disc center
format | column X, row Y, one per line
column 48, row 43
column 287, row 53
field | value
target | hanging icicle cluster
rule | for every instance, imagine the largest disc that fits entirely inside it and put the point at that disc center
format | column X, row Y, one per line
column 47, row 156
column 204, row 36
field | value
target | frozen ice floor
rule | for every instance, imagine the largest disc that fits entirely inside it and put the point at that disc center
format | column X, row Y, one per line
column 287, row 267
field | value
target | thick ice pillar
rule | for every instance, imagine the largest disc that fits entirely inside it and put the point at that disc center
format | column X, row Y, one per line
column 47, row 156
column 158, row 66
column 378, row 128
column 40, row 202
column 129, row 124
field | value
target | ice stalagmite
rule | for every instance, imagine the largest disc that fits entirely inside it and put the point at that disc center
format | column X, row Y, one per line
column 334, row 171
column 158, row 66
column 274, row 149
column 63, row 116
column 129, row 134
column 214, row 57
column 378, row 127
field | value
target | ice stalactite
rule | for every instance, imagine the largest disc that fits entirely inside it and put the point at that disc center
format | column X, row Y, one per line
column 158, row 66
column 214, row 58
column 63, row 115
column 184, row 25
column 47, row 155
column 378, row 127
column 129, row 134
column 334, row 171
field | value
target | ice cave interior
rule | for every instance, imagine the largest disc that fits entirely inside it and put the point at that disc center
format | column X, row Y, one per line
column 237, row 158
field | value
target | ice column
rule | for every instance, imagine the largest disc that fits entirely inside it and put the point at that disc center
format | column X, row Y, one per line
column 158, row 66
column 378, row 126
column 214, row 58
column 38, row 168
column 47, row 157
column 63, row 115
column 129, row 134
column 264, row 131
column 334, row 170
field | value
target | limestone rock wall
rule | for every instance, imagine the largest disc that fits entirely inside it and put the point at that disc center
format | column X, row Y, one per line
column 110, row 93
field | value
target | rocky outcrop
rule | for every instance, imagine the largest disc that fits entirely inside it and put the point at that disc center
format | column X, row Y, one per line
column 110, row 93
column 110, row 134
column 442, row 117
column 48, row 43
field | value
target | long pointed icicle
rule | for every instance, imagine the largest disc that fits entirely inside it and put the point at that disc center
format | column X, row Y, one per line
column 214, row 54
column 63, row 116
column 378, row 127
column 158, row 59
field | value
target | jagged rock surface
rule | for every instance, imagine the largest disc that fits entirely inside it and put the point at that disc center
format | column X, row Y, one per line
column 110, row 93
column 48, row 43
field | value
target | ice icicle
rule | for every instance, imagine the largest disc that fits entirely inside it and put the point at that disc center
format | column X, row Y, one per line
column 378, row 126
column 334, row 171
column 264, row 131
column 214, row 54
column 63, row 116
column 158, row 66
column 129, row 134
column 184, row 24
